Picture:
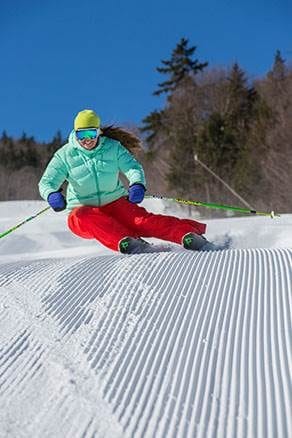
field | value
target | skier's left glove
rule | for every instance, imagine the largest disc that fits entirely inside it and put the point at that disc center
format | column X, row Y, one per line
column 57, row 201
column 136, row 193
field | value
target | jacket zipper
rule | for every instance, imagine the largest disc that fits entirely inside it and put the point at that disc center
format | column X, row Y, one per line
column 97, row 187
column 91, row 170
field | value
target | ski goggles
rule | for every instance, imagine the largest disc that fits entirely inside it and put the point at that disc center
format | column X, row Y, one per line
column 87, row 134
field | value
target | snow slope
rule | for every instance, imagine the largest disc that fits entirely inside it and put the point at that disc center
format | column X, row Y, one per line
column 179, row 344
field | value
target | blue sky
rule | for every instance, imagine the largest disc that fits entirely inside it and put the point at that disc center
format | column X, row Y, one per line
column 58, row 57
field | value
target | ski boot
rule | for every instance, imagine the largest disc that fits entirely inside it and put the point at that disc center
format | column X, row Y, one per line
column 133, row 245
column 195, row 242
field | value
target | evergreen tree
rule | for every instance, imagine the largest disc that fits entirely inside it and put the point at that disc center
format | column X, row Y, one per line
column 216, row 144
column 279, row 70
column 182, row 176
column 57, row 139
column 5, row 138
column 179, row 67
column 152, row 125
column 278, row 85
column 251, row 118
column 224, row 141
column 241, row 98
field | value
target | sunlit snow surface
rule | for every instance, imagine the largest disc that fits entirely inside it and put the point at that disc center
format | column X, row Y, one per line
column 174, row 344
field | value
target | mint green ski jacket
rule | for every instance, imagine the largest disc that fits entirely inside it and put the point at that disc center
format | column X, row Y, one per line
column 93, row 176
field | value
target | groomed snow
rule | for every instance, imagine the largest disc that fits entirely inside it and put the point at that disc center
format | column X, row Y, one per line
column 177, row 344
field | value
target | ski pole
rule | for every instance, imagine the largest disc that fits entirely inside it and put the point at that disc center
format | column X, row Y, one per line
column 22, row 223
column 222, row 181
column 217, row 206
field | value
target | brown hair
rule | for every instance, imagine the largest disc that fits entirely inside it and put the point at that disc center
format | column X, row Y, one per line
column 128, row 139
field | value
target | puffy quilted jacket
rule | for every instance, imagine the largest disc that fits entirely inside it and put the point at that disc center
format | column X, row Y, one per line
column 92, row 175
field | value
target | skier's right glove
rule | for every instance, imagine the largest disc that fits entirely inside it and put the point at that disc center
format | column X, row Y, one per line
column 57, row 201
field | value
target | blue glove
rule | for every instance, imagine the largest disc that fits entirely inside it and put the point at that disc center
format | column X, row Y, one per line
column 57, row 201
column 136, row 193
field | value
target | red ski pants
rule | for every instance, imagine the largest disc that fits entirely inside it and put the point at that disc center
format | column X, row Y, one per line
column 112, row 222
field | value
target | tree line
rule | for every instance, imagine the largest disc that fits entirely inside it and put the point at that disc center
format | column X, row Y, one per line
column 212, row 119
column 241, row 129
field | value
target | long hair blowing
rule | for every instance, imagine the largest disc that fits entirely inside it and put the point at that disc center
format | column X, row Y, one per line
column 129, row 140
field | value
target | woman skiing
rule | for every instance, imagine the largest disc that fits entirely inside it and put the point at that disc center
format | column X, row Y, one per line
column 101, row 207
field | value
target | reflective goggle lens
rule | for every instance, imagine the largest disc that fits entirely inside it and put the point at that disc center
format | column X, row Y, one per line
column 87, row 134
